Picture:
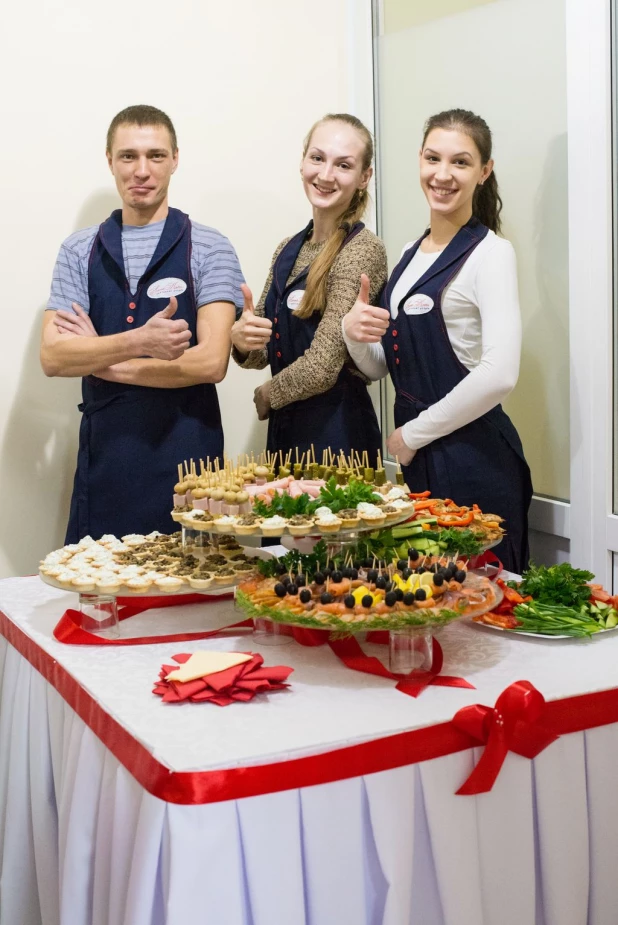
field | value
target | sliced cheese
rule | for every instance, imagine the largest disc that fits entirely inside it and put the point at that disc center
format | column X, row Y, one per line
column 204, row 663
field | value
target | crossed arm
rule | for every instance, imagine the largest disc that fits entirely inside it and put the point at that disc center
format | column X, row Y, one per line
column 71, row 347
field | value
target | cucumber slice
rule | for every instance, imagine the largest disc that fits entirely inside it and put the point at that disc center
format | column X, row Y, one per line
column 422, row 543
column 399, row 533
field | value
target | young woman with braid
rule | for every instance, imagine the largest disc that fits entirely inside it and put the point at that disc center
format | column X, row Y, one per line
column 449, row 334
column 316, row 394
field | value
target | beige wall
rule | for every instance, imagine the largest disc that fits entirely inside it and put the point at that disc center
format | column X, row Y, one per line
column 506, row 61
column 242, row 81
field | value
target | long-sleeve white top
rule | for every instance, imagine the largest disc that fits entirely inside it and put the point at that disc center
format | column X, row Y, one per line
column 481, row 312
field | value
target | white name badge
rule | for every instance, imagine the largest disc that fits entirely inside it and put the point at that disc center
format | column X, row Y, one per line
column 418, row 304
column 166, row 288
column 295, row 298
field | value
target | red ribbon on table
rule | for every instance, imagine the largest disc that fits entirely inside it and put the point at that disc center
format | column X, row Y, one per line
column 561, row 717
column 69, row 628
column 352, row 656
column 515, row 724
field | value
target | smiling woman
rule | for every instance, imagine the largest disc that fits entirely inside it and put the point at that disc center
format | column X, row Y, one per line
column 316, row 395
column 449, row 334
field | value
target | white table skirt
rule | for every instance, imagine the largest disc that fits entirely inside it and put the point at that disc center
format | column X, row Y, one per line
column 81, row 843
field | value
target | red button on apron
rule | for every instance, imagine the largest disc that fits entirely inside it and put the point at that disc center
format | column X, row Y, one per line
column 130, row 319
column 131, row 305
column 276, row 320
column 394, row 333
column 277, row 336
column 279, row 353
column 395, row 346
column 396, row 361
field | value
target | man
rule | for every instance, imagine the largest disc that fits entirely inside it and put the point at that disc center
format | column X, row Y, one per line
column 141, row 308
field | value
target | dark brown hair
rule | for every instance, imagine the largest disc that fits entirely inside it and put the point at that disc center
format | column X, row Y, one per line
column 317, row 280
column 486, row 203
column 141, row 115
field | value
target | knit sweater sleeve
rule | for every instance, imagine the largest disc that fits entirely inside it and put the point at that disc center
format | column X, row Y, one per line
column 317, row 370
column 258, row 359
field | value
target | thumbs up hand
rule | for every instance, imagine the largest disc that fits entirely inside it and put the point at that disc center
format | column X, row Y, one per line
column 162, row 337
column 251, row 331
column 366, row 323
column 170, row 309
column 248, row 299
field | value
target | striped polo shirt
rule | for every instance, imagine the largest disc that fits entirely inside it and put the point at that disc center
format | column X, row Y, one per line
column 214, row 265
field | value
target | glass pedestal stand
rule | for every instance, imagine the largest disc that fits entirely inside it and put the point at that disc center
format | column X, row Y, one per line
column 194, row 541
column 99, row 613
column 268, row 633
column 410, row 650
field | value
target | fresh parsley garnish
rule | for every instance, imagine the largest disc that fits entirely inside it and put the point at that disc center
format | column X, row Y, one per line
column 556, row 584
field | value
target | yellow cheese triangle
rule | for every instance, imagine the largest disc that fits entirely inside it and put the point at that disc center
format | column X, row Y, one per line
column 203, row 663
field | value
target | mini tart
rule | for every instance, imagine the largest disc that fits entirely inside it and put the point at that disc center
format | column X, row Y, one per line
column 371, row 514
column 300, row 524
column 392, row 513
column 137, row 585
column 169, row 583
column 274, row 526
column 108, row 585
column 83, row 583
column 244, row 567
column 224, row 575
column 247, row 524
column 133, row 539
column 194, row 521
column 202, row 581
column 349, row 518
column 225, row 523
column 329, row 524
column 374, row 520
column 232, row 552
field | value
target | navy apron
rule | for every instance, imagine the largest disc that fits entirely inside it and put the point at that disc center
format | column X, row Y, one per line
column 343, row 418
column 132, row 438
column 482, row 462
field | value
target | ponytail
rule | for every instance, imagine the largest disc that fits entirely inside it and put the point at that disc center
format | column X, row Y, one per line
column 487, row 204
column 314, row 298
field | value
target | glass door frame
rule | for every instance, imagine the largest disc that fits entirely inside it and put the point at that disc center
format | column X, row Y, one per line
column 587, row 520
column 591, row 121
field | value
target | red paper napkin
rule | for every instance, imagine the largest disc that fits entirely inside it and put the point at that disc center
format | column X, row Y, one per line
column 238, row 684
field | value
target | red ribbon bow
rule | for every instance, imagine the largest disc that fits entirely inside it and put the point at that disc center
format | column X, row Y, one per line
column 352, row 656
column 513, row 725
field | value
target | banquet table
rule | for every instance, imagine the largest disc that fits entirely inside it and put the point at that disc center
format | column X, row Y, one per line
column 315, row 805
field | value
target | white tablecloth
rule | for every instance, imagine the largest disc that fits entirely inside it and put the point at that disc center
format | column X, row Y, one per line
column 82, row 843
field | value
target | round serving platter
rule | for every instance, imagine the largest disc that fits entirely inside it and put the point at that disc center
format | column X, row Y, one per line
column 398, row 620
column 313, row 531
column 212, row 590
column 516, row 632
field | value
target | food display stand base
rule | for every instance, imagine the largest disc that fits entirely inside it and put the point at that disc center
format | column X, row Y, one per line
column 268, row 633
column 99, row 613
column 410, row 650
